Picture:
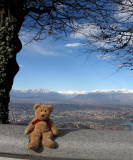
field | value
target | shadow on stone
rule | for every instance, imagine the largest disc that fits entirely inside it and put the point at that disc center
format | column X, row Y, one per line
column 62, row 132
column 40, row 149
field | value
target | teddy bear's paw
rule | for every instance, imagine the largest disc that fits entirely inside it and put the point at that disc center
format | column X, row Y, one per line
column 31, row 146
column 55, row 132
column 26, row 132
column 49, row 143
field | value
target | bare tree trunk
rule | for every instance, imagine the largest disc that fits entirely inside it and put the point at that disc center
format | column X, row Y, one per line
column 11, row 19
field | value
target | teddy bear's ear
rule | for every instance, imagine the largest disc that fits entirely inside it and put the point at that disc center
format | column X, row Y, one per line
column 36, row 106
column 50, row 108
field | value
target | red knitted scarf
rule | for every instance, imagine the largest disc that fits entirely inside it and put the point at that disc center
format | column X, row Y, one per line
column 38, row 120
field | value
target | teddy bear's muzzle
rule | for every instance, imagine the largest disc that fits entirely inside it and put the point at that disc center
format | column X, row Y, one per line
column 42, row 115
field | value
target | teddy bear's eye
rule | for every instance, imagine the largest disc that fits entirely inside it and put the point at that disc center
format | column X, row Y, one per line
column 41, row 110
column 45, row 111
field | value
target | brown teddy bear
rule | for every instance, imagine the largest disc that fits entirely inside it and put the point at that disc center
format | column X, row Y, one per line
column 41, row 126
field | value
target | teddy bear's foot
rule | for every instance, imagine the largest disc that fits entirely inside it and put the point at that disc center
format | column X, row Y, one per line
column 47, row 139
column 31, row 146
column 49, row 143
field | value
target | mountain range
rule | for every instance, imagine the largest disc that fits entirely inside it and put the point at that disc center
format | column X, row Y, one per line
column 97, row 96
column 36, row 93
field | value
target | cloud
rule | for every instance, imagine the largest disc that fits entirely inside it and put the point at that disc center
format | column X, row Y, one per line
column 94, row 35
column 91, row 33
column 125, row 11
column 73, row 44
column 113, row 90
column 85, row 30
column 39, row 49
column 73, row 92
column 97, row 91
column 104, row 56
column 78, row 35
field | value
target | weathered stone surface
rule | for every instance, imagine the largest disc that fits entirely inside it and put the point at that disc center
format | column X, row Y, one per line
column 13, row 140
column 7, row 158
column 91, row 145
column 70, row 144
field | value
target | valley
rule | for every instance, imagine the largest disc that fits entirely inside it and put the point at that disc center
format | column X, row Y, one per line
column 106, row 110
column 78, row 115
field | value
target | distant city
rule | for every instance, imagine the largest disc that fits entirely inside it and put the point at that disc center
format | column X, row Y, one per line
column 89, row 111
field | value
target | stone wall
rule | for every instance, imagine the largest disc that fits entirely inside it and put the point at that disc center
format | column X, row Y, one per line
column 70, row 144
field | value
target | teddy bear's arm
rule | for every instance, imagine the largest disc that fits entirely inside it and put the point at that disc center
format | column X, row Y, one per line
column 53, row 128
column 29, row 128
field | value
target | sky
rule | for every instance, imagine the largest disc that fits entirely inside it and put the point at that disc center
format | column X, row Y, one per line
column 62, row 65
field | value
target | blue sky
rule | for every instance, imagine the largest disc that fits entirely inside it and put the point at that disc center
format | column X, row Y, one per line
column 58, row 65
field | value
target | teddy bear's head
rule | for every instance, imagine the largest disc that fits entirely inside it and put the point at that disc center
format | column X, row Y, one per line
column 42, row 112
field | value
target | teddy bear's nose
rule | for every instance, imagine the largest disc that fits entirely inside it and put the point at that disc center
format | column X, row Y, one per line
column 42, row 115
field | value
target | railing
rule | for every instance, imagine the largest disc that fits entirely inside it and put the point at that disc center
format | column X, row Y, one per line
column 70, row 144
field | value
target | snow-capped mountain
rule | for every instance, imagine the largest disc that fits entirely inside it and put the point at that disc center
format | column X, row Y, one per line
column 96, row 96
column 119, row 96
column 35, row 93
column 31, row 90
column 113, row 91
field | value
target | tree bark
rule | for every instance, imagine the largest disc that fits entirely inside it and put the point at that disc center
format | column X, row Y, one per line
column 11, row 19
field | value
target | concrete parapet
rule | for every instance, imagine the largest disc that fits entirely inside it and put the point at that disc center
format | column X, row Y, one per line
column 70, row 144
column 12, row 139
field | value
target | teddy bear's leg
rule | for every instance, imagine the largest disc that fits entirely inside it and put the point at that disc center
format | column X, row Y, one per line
column 47, row 139
column 34, row 141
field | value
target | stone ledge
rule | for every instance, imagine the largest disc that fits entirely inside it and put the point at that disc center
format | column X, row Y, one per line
column 70, row 144
column 12, row 139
